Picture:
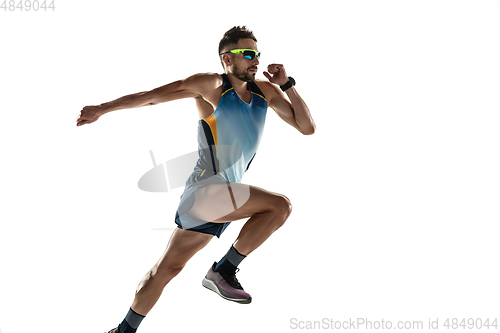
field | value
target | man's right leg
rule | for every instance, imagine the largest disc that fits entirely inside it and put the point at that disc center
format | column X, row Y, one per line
column 183, row 244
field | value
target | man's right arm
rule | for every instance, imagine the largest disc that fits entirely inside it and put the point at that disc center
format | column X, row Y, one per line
column 194, row 86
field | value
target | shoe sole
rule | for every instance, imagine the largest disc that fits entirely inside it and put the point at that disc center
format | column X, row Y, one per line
column 224, row 294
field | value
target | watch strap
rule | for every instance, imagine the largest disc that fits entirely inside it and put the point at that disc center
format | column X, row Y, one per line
column 288, row 85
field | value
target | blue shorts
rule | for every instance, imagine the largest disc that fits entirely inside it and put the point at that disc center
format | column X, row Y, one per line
column 210, row 228
column 186, row 221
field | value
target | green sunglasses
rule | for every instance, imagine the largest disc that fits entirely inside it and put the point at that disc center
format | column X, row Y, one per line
column 247, row 53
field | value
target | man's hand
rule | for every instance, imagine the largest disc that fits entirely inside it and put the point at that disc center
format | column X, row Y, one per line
column 88, row 115
column 276, row 74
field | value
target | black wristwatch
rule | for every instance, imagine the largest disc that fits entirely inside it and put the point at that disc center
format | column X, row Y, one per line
column 289, row 84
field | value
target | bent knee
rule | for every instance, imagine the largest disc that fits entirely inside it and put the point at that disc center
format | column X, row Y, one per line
column 283, row 206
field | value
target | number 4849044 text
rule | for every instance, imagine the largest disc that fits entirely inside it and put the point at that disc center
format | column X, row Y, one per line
column 27, row 5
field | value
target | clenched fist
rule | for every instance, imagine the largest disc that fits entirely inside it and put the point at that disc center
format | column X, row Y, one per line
column 276, row 74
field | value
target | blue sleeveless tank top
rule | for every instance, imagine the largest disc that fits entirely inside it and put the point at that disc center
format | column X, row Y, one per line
column 229, row 138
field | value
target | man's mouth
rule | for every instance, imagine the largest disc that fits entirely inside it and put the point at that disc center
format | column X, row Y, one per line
column 252, row 69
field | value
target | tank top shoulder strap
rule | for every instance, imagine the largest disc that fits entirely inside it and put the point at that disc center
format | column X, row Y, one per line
column 226, row 85
column 255, row 89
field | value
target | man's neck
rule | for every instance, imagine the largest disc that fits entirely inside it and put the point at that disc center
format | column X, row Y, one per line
column 238, row 85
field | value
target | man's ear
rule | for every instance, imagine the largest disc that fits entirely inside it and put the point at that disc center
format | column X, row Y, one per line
column 226, row 59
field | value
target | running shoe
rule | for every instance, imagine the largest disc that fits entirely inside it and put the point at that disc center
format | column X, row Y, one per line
column 114, row 330
column 226, row 285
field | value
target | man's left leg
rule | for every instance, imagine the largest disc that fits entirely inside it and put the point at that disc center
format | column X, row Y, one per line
column 268, row 211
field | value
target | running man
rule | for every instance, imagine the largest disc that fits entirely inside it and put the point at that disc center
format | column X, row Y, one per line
column 232, row 109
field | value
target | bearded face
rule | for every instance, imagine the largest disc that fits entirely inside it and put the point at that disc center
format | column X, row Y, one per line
column 245, row 74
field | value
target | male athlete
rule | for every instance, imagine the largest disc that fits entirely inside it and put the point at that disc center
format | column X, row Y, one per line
column 232, row 109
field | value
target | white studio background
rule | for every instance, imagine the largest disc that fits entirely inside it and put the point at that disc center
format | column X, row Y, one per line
column 396, row 195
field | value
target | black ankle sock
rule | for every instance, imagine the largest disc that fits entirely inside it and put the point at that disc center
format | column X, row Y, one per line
column 131, row 322
column 230, row 261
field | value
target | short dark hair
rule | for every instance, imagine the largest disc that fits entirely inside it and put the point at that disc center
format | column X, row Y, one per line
column 233, row 35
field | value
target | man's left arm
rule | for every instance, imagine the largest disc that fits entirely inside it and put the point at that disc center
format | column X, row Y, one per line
column 295, row 113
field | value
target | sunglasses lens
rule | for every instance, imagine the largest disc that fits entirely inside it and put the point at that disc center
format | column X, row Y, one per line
column 249, row 54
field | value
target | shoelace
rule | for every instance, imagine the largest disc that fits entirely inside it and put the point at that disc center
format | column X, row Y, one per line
column 230, row 278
